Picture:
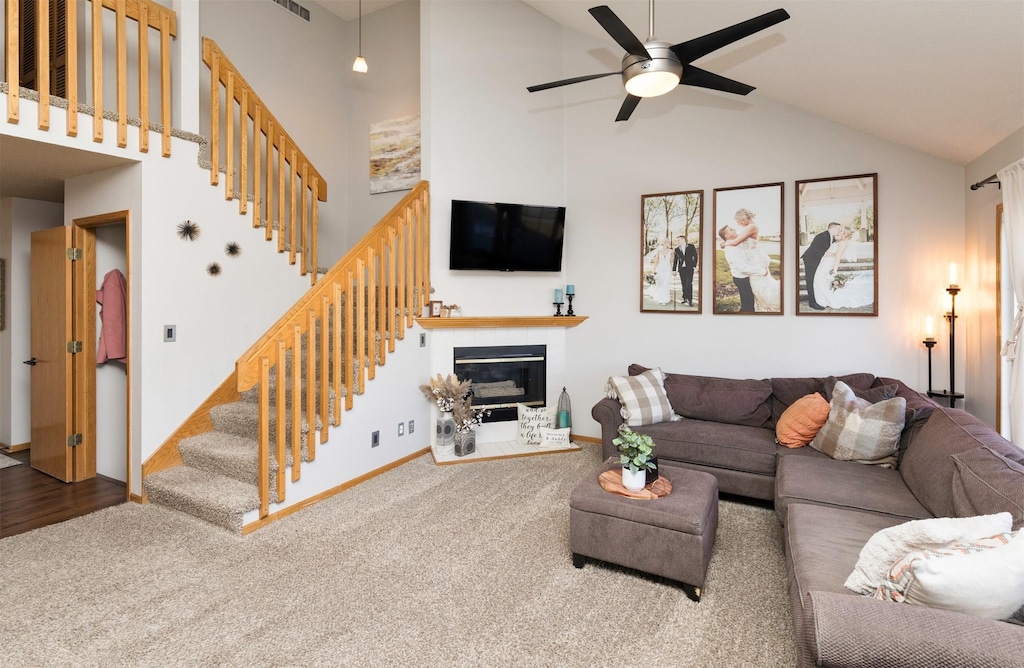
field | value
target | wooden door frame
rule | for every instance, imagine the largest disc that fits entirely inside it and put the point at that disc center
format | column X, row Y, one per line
column 85, row 308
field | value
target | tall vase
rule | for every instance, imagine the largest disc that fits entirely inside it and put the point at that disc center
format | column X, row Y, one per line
column 465, row 443
column 445, row 440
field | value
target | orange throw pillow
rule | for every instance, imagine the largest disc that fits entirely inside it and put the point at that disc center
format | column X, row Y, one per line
column 800, row 423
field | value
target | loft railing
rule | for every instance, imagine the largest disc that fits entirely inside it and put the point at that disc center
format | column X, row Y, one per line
column 283, row 181
column 50, row 59
column 336, row 336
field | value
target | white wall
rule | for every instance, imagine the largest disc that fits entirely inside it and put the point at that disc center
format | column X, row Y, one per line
column 19, row 218
column 493, row 140
column 982, row 354
column 389, row 89
column 111, row 376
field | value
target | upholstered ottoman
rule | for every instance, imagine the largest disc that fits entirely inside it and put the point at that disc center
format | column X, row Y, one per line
column 671, row 536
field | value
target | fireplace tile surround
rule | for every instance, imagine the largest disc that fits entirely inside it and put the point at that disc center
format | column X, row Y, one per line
column 444, row 337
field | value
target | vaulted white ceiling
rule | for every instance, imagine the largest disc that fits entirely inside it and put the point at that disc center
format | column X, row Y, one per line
column 941, row 76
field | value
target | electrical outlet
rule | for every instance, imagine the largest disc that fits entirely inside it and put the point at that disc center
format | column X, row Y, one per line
column 401, row 429
column 375, row 439
column 412, row 426
column 423, row 339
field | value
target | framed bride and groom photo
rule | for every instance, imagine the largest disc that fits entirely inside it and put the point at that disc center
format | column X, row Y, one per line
column 748, row 249
column 671, row 230
column 837, row 246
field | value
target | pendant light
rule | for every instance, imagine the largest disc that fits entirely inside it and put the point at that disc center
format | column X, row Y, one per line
column 360, row 63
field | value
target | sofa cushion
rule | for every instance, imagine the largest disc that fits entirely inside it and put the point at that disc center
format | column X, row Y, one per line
column 928, row 466
column 856, row 383
column 801, row 422
column 988, row 482
column 888, row 545
column 728, row 400
column 826, row 482
column 714, row 444
column 859, row 431
column 919, row 409
column 787, row 390
column 642, row 397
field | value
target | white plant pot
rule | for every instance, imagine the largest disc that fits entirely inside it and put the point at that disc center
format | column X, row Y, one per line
column 634, row 482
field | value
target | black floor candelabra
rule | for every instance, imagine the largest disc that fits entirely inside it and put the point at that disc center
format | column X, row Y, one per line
column 929, row 343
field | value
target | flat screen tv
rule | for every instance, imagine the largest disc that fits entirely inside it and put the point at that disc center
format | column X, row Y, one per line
column 506, row 237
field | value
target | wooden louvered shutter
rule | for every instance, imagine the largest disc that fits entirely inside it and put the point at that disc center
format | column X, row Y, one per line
column 58, row 44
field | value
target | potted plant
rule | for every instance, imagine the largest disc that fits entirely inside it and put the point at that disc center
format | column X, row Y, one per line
column 458, row 417
column 637, row 457
column 466, row 419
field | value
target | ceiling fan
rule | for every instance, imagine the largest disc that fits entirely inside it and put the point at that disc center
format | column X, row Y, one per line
column 654, row 67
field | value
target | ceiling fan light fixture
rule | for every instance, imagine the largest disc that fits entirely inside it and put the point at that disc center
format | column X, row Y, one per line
column 654, row 76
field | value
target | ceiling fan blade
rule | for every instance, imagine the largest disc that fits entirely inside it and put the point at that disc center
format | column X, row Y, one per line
column 566, row 82
column 693, row 49
column 619, row 32
column 626, row 110
column 694, row 76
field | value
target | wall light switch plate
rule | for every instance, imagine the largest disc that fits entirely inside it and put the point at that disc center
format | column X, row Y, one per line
column 423, row 339
column 375, row 439
column 170, row 333
column 401, row 429
column 412, row 426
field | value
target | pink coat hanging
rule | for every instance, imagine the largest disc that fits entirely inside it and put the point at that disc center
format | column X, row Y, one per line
column 113, row 318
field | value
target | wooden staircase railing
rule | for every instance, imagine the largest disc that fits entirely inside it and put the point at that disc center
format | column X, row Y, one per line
column 62, row 57
column 297, row 184
column 362, row 305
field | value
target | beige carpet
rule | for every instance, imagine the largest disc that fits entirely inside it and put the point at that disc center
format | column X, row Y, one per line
column 6, row 461
column 463, row 565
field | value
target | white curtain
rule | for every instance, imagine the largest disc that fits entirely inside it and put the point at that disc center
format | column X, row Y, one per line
column 1012, row 180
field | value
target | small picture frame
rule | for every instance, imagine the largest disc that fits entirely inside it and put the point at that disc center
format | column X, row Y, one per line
column 435, row 309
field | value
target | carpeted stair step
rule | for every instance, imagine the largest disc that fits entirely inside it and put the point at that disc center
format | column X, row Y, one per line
column 241, row 418
column 228, row 455
column 217, row 499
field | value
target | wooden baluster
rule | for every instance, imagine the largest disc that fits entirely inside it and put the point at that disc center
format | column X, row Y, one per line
column 401, row 254
column 13, row 22
column 293, row 221
column 42, row 62
column 311, row 339
column 282, row 225
column 165, row 82
column 424, row 261
column 71, row 65
column 337, row 363
column 371, row 316
column 315, row 233
column 257, row 166
column 392, row 289
column 121, row 55
column 214, row 62
column 296, row 398
column 382, row 300
column 143, row 76
column 348, row 363
column 303, row 237
column 325, row 359
column 243, row 178
column 229, row 137
column 97, row 71
column 280, row 385
column 268, row 233
column 360, row 325
column 264, row 429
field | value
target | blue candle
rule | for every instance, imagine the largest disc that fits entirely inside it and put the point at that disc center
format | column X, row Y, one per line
column 570, row 289
column 558, row 295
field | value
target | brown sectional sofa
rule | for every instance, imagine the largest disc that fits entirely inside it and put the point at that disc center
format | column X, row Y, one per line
column 831, row 508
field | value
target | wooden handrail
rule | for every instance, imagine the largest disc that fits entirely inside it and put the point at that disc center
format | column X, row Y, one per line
column 380, row 285
column 299, row 186
column 147, row 14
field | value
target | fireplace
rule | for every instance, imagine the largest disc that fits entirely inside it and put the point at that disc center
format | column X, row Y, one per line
column 504, row 376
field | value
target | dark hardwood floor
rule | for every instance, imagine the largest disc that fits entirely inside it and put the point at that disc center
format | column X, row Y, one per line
column 30, row 499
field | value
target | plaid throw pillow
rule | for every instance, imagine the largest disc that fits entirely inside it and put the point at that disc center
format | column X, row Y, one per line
column 859, row 431
column 642, row 397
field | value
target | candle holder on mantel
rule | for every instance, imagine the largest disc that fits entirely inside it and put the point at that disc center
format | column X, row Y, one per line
column 569, row 310
column 558, row 308
column 929, row 343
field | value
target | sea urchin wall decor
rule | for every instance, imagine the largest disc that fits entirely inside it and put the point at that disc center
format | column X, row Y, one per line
column 213, row 269
column 188, row 231
column 232, row 249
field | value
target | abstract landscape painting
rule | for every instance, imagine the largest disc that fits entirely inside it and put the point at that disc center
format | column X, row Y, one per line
column 394, row 154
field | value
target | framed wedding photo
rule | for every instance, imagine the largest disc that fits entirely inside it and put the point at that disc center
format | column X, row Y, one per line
column 748, row 249
column 837, row 246
column 671, row 230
